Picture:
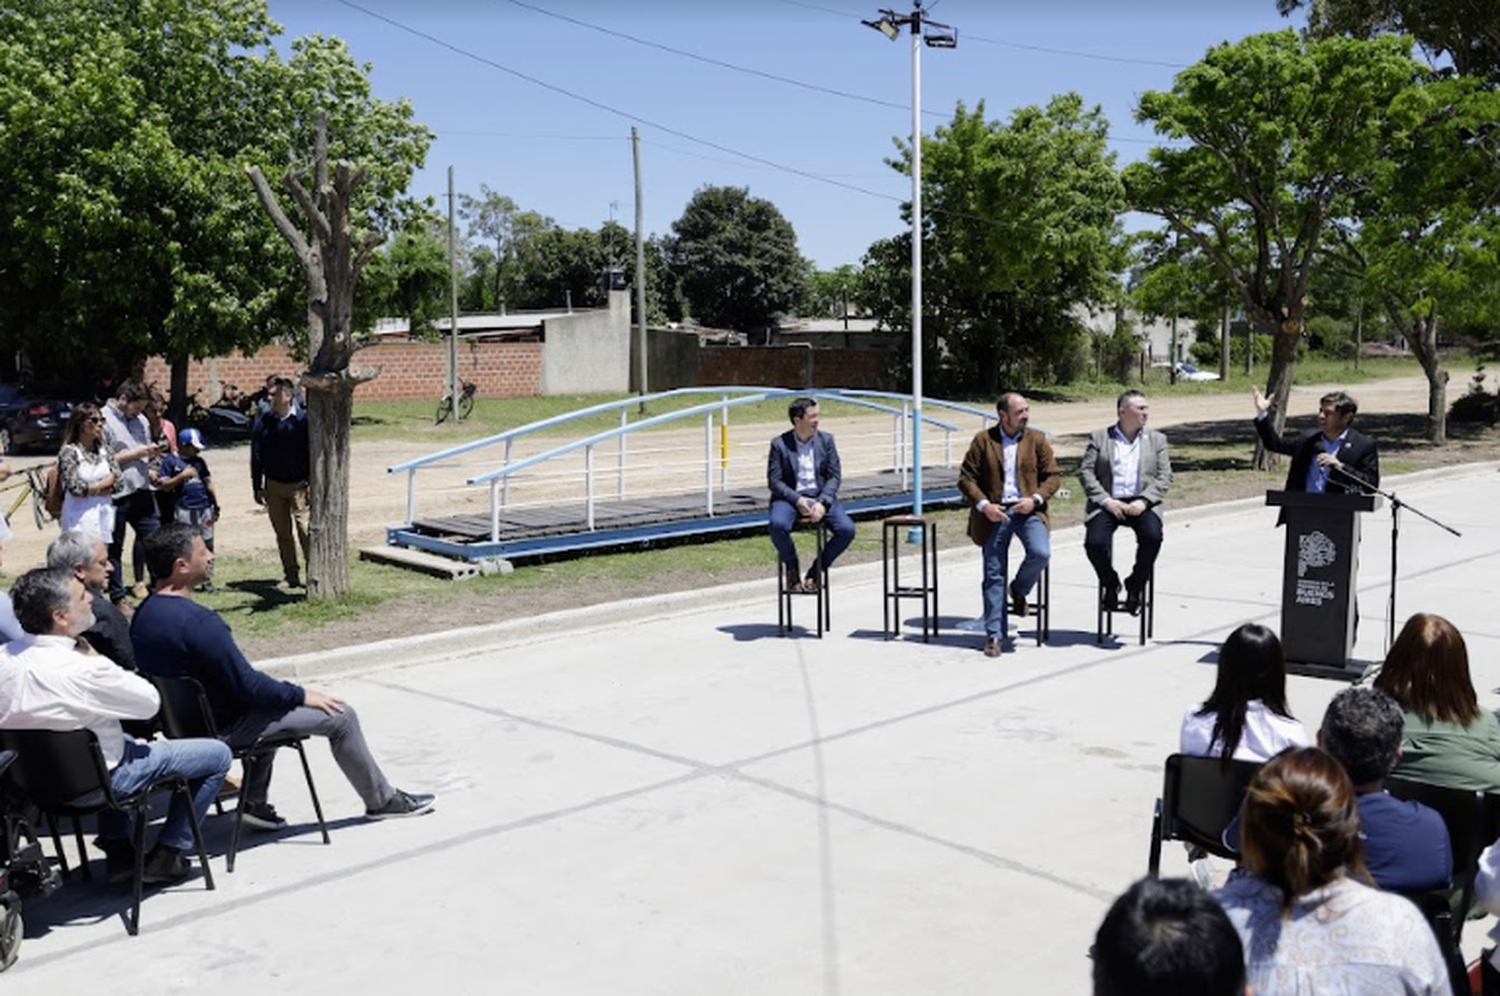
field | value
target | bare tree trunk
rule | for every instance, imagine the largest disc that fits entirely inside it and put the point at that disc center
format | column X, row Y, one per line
column 330, row 410
column 1285, row 336
column 178, row 390
column 1421, row 336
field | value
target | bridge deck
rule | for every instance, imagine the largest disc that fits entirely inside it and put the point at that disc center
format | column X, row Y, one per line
column 531, row 532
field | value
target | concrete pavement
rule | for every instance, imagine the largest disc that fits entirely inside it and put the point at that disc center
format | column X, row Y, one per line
column 664, row 797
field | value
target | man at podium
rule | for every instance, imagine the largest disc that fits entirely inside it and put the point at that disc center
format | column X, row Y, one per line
column 1335, row 458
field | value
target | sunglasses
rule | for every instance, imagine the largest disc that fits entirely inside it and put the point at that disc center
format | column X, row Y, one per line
column 94, row 420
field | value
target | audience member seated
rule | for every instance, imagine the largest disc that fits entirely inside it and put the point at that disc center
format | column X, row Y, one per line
column 49, row 681
column 1246, row 717
column 10, row 627
column 1405, row 843
column 1448, row 740
column 175, row 636
column 1308, row 922
column 86, row 556
column 1167, row 937
column 1487, row 895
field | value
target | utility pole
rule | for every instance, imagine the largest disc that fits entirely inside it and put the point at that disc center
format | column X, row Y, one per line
column 452, row 304
column 640, row 269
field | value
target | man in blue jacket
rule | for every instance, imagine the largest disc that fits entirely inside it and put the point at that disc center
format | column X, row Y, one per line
column 176, row 637
column 803, row 474
column 280, row 461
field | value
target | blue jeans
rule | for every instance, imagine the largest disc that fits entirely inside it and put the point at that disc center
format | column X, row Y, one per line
column 1037, row 543
column 202, row 762
column 784, row 517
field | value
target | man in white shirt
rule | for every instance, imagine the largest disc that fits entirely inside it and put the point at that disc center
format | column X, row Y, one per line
column 49, row 680
column 1125, row 475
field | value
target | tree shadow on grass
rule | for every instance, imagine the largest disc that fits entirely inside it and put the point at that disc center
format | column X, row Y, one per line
column 268, row 597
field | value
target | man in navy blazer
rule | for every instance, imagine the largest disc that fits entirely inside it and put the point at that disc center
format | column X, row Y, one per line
column 1335, row 459
column 803, row 474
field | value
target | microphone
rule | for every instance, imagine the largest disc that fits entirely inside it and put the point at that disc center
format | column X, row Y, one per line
column 1364, row 485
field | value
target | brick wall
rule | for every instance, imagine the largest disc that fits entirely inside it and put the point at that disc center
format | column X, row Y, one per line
column 782, row 366
column 409, row 370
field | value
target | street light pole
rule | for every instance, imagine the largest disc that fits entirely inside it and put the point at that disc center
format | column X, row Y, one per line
column 944, row 36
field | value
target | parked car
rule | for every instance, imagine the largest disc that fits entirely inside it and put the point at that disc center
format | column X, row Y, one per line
column 28, row 423
column 1186, row 371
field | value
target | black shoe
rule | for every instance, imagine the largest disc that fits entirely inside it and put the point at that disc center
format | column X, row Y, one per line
column 1017, row 602
column 119, row 859
column 261, row 816
column 403, row 804
column 1112, row 596
column 1133, row 599
column 164, row 865
column 792, row 579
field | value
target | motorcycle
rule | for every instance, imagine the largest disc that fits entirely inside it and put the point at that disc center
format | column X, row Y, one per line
column 221, row 422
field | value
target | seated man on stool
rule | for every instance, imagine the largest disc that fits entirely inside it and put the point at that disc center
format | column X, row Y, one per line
column 1125, row 476
column 803, row 474
column 1008, row 475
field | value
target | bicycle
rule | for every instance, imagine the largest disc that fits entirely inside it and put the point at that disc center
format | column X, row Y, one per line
column 32, row 484
column 465, row 403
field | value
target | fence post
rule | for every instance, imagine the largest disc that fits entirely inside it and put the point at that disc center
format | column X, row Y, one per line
column 494, row 511
column 505, row 491
column 624, row 421
column 708, row 463
column 588, row 482
column 411, row 496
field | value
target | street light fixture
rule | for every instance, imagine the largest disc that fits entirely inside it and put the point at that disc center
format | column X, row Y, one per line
column 936, row 35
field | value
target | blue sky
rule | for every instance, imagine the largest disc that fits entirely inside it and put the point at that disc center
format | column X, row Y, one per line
column 569, row 159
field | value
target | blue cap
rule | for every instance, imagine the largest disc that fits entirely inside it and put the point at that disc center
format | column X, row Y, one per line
column 191, row 437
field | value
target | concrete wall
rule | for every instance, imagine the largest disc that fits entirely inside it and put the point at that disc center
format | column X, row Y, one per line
column 790, row 366
column 589, row 352
column 672, row 359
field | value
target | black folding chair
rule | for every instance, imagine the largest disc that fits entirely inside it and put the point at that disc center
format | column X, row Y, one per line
column 185, row 713
column 62, row 773
column 1470, row 817
column 1437, row 910
column 1200, row 796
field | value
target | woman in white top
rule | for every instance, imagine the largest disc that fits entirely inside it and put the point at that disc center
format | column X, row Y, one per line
column 88, row 471
column 1246, row 717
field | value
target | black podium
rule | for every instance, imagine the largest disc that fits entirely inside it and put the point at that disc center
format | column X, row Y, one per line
column 1318, row 580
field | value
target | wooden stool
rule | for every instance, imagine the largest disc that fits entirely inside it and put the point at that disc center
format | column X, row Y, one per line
column 1105, row 624
column 890, row 563
column 1040, row 604
column 785, row 593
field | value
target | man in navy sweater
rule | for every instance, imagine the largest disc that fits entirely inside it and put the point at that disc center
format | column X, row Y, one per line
column 175, row 636
column 280, row 460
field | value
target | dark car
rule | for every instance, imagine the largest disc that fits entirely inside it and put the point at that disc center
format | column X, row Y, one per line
column 27, row 423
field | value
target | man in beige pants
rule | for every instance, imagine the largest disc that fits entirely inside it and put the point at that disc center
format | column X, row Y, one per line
column 279, row 463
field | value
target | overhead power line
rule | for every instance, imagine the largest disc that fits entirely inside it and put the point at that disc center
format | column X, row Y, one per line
column 600, row 105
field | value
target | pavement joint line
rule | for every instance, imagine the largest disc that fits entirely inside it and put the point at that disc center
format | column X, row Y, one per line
column 437, row 647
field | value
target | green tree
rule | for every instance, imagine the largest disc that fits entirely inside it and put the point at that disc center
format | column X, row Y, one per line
column 1020, row 228
column 1281, row 133
column 736, row 259
column 1464, row 31
column 830, row 292
column 408, row 278
column 124, row 132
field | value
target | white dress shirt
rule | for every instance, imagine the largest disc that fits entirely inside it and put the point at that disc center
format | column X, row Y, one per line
column 1125, row 468
column 47, row 684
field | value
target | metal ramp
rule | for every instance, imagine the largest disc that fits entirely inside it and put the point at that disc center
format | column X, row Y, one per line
column 646, row 521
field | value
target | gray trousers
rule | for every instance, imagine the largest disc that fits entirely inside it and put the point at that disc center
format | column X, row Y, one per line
column 345, row 739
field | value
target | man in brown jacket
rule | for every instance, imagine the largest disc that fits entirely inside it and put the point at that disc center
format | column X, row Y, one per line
column 1008, row 476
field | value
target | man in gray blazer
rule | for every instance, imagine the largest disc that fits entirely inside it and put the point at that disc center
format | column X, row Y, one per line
column 803, row 474
column 1125, row 476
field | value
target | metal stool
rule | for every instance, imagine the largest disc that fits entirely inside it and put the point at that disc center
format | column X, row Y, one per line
column 1040, row 605
column 890, row 564
column 784, row 595
column 1105, row 624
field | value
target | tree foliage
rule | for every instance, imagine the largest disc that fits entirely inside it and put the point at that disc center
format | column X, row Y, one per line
column 1281, row 132
column 1464, row 31
column 124, row 133
column 735, row 257
column 1020, row 227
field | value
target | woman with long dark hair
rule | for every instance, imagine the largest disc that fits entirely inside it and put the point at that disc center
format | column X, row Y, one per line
column 87, row 468
column 1245, row 718
column 1446, row 739
column 1303, row 906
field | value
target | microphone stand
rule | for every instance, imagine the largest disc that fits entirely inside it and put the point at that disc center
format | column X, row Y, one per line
column 1396, row 506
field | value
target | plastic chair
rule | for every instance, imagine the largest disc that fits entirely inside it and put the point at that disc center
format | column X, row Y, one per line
column 185, row 713
column 62, row 773
column 1200, row 796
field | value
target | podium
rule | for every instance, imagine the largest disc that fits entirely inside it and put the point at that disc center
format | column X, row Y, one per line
column 1319, row 573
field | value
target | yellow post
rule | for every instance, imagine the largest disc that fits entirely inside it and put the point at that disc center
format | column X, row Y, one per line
column 723, row 446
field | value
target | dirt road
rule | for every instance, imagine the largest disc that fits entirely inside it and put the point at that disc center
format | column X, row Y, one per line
column 663, row 459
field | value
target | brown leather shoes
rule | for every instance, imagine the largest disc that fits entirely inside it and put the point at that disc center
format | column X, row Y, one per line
column 993, row 647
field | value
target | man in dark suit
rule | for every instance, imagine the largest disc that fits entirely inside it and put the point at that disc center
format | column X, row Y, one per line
column 1008, row 476
column 803, row 474
column 1334, row 459
column 1125, row 475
